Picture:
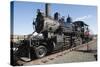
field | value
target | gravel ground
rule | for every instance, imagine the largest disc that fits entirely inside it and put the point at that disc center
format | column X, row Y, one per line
column 79, row 55
column 74, row 56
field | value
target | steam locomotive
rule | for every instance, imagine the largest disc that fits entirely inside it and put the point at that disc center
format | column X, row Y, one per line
column 56, row 35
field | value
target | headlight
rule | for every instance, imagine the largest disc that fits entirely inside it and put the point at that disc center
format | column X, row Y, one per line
column 15, row 49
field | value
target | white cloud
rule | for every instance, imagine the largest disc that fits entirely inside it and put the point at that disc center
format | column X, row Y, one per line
column 83, row 18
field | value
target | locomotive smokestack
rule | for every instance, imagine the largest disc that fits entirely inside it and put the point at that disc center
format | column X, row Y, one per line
column 47, row 9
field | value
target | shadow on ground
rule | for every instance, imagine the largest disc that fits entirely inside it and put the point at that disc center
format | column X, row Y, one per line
column 89, row 51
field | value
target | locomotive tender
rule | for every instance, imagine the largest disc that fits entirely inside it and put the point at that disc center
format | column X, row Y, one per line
column 56, row 34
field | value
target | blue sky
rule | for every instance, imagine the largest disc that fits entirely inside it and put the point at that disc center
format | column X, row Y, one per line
column 25, row 12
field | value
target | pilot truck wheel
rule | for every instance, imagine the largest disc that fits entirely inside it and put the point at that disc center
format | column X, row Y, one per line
column 40, row 51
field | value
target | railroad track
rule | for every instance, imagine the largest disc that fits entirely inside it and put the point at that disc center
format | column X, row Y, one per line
column 52, row 56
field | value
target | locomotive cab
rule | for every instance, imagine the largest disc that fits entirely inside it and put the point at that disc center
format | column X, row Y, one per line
column 82, row 29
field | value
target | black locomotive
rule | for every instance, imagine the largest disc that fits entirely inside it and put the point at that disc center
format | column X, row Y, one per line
column 56, row 35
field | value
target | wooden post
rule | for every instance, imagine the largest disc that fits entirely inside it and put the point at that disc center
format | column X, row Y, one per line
column 88, row 48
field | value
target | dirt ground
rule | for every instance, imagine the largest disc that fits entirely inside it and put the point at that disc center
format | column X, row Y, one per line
column 83, row 54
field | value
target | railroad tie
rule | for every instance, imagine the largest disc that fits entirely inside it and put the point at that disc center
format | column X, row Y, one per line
column 44, row 61
column 64, row 53
column 51, row 58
